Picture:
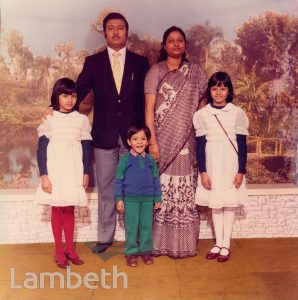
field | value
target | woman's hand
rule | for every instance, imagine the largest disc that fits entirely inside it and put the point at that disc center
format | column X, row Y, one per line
column 46, row 184
column 120, row 206
column 157, row 205
column 85, row 181
column 205, row 180
column 154, row 151
column 238, row 180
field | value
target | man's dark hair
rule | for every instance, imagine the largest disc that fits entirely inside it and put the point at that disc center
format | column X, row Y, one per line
column 111, row 16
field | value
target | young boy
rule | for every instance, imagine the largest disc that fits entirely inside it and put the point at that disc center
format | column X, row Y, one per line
column 137, row 187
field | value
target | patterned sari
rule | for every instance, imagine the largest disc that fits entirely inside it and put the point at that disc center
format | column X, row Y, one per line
column 176, row 224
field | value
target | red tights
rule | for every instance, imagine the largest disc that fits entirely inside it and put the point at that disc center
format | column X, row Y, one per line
column 63, row 220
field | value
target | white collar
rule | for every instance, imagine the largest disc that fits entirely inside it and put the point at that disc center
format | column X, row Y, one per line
column 59, row 114
column 215, row 111
column 111, row 51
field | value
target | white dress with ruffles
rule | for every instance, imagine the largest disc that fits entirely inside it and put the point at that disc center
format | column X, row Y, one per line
column 64, row 158
column 221, row 157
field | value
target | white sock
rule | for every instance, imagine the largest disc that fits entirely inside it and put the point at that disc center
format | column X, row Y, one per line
column 228, row 219
column 218, row 222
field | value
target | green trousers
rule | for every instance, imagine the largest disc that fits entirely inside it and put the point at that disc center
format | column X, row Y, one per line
column 138, row 227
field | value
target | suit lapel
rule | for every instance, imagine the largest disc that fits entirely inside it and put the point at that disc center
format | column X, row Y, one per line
column 128, row 71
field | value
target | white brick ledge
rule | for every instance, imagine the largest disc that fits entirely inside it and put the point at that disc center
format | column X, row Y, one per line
column 253, row 190
column 271, row 211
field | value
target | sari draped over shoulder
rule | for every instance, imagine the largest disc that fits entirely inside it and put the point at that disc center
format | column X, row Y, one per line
column 177, row 101
column 176, row 224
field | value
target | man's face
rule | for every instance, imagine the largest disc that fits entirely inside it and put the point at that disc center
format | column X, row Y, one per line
column 116, row 34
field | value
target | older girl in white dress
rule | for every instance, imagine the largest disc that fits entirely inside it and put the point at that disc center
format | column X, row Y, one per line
column 64, row 163
column 221, row 130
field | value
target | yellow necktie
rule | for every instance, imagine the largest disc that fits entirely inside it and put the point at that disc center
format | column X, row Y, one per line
column 117, row 71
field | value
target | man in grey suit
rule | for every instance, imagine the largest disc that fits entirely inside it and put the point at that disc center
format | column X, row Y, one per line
column 116, row 77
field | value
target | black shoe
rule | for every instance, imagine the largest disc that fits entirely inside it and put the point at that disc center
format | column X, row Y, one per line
column 101, row 247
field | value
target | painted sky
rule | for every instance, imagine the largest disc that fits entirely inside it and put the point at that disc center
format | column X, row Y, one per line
column 46, row 23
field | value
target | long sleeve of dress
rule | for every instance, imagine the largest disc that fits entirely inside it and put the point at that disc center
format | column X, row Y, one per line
column 201, row 131
column 201, row 154
column 43, row 142
column 86, row 147
column 86, row 144
column 242, row 153
column 242, row 124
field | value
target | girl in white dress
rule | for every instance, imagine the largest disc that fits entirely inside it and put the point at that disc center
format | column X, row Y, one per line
column 221, row 130
column 63, row 156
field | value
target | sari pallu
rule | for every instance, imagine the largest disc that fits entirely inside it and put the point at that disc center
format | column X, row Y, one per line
column 176, row 225
column 177, row 101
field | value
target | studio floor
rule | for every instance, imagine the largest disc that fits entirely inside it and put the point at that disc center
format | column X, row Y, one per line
column 258, row 269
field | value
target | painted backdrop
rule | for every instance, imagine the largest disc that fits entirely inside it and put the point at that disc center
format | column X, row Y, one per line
column 255, row 41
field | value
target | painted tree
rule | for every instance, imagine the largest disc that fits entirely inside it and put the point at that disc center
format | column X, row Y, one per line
column 253, row 95
column 231, row 60
column 266, row 42
column 21, row 57
column 148, row 47
column 199, row 39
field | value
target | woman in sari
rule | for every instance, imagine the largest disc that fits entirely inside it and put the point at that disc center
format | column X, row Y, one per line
column 173, row 88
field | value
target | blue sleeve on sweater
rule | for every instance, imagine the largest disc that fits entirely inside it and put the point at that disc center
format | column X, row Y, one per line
column 119, row 180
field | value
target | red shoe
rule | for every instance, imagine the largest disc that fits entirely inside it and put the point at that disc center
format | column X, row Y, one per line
column 74, row 258
column 224, row 258
column 61, row 261
column 131, row 260
column 147, row 259
column 211, row 255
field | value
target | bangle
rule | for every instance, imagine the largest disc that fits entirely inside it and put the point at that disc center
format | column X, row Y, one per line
column 151, row 144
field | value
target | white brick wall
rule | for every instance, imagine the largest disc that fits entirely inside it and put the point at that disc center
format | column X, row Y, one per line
column 271, row 211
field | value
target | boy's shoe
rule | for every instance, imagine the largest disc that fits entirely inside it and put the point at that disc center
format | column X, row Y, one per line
column 74, row 258
column 147, row 259
column 131, row 260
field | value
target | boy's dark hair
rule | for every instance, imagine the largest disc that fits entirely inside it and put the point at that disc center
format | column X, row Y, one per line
column 114, row 15
column 218, row 79
column 62, row 86
column 137, row 128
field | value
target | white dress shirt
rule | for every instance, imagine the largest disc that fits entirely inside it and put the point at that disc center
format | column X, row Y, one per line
column 121, row 57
